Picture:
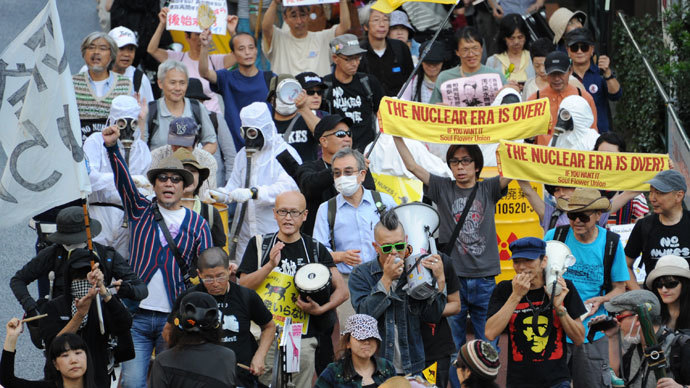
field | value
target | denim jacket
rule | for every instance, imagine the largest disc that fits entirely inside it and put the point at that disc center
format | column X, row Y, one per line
column 334, row 377
column 391, row 308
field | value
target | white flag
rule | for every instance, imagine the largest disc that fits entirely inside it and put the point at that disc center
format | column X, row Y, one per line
column 41, row 159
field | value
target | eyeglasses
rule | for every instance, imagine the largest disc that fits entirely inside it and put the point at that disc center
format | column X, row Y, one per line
column 621, row 317
column 388, row 248
column 464, row 161
column 575, row 47
column 293, row 213
column 173, row 178
column 668, row 282
column 351, row 58
column 470, row 50
column 340, row 133
column 219, row 279
column 316, row 91
column 584, row 217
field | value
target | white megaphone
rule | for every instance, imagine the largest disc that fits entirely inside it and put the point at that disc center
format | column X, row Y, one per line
column 420, row 221
column 559, row 259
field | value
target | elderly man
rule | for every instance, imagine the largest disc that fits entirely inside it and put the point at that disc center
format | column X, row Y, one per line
column 558, row 71
column 537, row 321
column 598, row 274
column 377, row 290
column 172, row 79
column 295, row 49
column 286, row 251
column 96, row 88
column 664, row 232
column 165, row 240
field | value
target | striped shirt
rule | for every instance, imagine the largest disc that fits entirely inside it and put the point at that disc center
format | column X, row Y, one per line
column 147, row 254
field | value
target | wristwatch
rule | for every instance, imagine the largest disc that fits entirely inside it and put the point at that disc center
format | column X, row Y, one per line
column 561, row 311
column 255, row 192
column 612, row 76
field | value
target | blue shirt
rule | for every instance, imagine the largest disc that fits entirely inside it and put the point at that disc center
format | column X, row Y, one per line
column 353, row 227
column 596, row 86
column 588, row 271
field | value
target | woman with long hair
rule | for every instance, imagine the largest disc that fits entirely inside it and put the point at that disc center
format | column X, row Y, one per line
column 67, row 362
column 477, row 365
column 357, row 366
column 513, row 48
column 670, row 282
column 422, row 84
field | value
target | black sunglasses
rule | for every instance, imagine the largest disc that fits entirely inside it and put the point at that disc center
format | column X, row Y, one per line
column 584, row 217
column 341, row 133
column 316, row 91
column 666, row 281
column 579, row 46
column 173, row 178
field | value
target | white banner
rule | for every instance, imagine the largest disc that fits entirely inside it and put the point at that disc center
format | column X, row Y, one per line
column 41, row 160
column 183, row 15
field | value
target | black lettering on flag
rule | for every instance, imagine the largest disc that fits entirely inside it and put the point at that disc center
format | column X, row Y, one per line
column 38, row 140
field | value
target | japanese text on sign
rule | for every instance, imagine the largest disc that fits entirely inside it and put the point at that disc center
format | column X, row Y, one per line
column 183, row 15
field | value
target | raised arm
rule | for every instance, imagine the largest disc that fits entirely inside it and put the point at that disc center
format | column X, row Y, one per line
column 344, row 25
column 160, row 54
column 229, row 60
column 534, row 200
column 307, row 114
column 204, row 71
column 420, row 172
column 619, row 200
column 267, row 24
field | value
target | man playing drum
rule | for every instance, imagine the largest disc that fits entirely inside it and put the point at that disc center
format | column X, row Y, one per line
column 286, row 252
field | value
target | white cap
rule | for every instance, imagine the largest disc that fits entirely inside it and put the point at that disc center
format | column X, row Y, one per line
column 123, row 36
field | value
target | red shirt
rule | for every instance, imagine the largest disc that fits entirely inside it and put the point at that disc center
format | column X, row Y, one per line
column 555, row 100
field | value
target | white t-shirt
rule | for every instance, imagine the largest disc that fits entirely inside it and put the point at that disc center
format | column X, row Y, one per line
column 99, row 87
column 290, row 55
column 158, row 297
column 215, row 63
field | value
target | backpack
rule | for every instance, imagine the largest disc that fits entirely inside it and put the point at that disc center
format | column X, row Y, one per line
column 152, row 123
column 332, row 209
column 138, row 75
column 679, row 356
column 610, row 248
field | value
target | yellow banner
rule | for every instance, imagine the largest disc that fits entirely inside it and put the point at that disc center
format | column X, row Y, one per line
column 402, row 189
column 565, row 167
column 430, row 373
column 279, row 295
column 388, row 6
column 454, row 125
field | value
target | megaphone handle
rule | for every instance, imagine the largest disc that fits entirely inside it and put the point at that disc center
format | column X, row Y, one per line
column 432, row 246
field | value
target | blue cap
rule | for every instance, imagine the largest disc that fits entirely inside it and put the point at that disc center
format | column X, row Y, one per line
column 668, row 180
column 182, row 132
column 528, row 248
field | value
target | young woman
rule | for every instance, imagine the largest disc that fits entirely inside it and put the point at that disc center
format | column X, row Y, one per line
column 357, row 367
column 68, row 362
column 670, row 282
column 477, row 365
column 513, row 48
column 422, row 84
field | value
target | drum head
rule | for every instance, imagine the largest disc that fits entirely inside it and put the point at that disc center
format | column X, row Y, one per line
column 312, row 277
column 288, row 90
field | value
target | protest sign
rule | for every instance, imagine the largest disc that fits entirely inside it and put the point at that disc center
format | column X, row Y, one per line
column 279, row 295
column 294, row 3
column 183, row 15
column 402, row 189
column 477, row 90
column 453, row 125
column 565, row 167
column 41, row 159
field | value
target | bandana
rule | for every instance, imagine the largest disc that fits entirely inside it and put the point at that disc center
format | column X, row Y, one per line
column 79, row 290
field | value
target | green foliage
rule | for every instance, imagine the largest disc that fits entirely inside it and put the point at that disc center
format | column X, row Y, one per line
column 677, row 21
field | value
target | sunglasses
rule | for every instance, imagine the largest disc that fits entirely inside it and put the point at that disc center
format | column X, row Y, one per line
column 313, row 92
column 341, row 134
column 463, row 161
column 575, row 47
column 584, row 217
column 667, row 282
column 621, row 317
column 388, row 248
column 173, row 178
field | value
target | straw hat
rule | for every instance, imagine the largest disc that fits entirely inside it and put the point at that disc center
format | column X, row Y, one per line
column 584, row 199
column 669, row 265
column 559, row 21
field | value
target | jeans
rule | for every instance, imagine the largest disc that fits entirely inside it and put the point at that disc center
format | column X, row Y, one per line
column 147, row 327
column 474, row 299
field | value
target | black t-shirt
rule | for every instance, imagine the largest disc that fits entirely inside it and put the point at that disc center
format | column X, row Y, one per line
column 301, row 138
column 536, row 359
column 392, row 69
column 438, row 340
column 653, row 240
column 352, row 100
column 91, row 126
column 293, row 257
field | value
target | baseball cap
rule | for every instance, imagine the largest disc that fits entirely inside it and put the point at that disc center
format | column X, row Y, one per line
column 182, row 132
column 123, row 36
column 579, row 35
column 557, row 61
column 310, row 80
column 668, row 180
column 528, row 248
column 346, row 44
column 328, row 122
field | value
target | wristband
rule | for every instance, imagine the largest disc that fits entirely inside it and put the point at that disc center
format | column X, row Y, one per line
column 561, row 311
column 612, row 76
column 255, row 192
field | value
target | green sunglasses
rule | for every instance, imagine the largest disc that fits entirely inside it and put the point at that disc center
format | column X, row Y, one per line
column 388, row 248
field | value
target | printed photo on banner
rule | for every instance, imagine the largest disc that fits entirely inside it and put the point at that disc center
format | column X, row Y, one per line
column 452, row 125
column 566, row 167
column 477, row 90
column 184, row 15
column 280, row 296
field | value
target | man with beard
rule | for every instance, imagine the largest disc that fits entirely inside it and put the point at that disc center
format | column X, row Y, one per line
column 537, row 322
column 156, row 225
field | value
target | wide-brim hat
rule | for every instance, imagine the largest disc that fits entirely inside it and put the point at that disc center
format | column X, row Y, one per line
column 584, row 199
column 362, row 327
column 669, row 265
column 187, row 157
column 559, row 21
column 399, row 18
column 437, row 53
column 71, row 228
column 170, row 164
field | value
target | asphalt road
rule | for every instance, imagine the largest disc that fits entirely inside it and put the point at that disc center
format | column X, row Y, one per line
column 78, row 18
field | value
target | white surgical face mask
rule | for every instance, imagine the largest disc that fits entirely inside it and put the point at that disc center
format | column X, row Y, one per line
column 347, row 185
column 71, row 247
column 629, row 338
column 285, row 109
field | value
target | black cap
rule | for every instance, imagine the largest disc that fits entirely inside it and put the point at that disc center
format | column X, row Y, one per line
column 195, row 91
column 328, row 122
column 310, row 80
column 579, row 35
column 557, row 62
column 437, row 53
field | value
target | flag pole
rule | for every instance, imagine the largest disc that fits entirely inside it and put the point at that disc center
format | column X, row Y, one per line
column 414, row 71
column 89, row 244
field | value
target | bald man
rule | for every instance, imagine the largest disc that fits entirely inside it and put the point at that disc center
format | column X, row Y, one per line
column 286, row 251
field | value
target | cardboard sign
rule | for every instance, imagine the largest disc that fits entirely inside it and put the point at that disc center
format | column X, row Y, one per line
column 279, row 295
column 292, row 347
column 183, row 15
column 477, row 90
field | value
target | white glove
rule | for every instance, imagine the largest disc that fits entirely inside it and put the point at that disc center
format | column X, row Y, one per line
column 241, row 195
column 219, row 194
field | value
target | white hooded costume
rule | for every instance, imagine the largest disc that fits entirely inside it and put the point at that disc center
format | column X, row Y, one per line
column 267, row 175
column 101, row 176
column 489, row 150
column 582, row 137
column 383, row 161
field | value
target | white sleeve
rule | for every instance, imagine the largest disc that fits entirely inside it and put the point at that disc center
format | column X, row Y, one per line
column 268, row 193
column 237, row 177
column 94, row 149
column 145, row 90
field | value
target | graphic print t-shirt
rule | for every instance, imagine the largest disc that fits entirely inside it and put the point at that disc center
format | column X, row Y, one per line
column 536, row 340
column 653, row 239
